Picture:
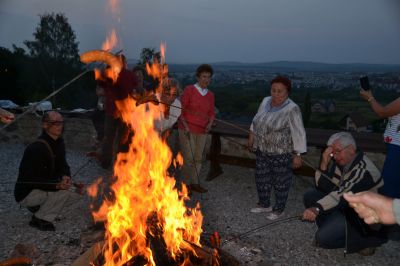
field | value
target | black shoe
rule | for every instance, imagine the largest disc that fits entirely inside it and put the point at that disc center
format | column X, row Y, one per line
column 33, row 209
column 197, row 188
column 42, row 225
column 367, row 251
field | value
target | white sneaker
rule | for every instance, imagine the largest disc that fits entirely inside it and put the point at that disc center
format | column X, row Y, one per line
column 274, row 215
column 261, row 209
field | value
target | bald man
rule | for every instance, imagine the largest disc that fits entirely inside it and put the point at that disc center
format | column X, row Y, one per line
column 44, row 176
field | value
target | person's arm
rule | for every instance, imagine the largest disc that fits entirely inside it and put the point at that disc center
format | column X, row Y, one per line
column 260, row 109
column 250, row 141
column 185, row 101
column 61, row 164
column 388, row 110
column 325, row 158
column 298, row 135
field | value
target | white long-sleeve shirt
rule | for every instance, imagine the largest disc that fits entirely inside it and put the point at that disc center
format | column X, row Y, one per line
column 166, row 123
column 279, row 130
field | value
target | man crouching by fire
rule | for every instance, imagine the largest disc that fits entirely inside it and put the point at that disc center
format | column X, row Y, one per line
column 44, row 181
column 343, row 168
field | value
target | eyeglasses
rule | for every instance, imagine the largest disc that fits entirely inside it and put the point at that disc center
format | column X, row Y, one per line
column 334, row 153
column 55, row 123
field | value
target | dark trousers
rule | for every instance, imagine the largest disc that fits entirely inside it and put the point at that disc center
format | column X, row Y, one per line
column 115, row 133
column 273, row 172
column 335, row 226
column 98, row 119
column 331, row 231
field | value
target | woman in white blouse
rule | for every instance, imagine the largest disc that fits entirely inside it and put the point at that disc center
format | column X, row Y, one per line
column 278, row 138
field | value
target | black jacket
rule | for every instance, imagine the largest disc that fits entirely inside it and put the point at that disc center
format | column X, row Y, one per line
column 38, row 170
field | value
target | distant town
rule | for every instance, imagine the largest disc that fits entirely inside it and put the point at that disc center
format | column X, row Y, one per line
column 333, row 90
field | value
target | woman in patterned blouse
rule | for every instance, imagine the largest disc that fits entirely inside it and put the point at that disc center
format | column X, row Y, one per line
column 278, row 138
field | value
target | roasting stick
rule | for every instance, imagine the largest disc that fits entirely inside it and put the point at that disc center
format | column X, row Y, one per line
column 32, row 107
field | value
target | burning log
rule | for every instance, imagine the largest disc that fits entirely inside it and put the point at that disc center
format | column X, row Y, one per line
column 204, row 256
column 16, row 262
column 196, row 256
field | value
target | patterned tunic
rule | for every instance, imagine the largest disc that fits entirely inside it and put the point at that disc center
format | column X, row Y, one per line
column 279, row 130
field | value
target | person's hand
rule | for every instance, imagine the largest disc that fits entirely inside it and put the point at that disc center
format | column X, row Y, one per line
column 310, row 214
column 250, row 143
column 366, row 95
column 65, row 183
column 326, row 157
column 208, row 128
column 372, row 207
column 6, row 117
column 297, row 161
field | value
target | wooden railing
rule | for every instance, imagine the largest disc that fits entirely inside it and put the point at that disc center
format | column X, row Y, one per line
column 369, row 142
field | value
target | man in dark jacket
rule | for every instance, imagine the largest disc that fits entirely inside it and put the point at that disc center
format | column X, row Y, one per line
column 44, row 176
column 343, row 168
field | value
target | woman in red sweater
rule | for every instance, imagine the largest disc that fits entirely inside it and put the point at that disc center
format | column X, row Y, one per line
column 195, row 122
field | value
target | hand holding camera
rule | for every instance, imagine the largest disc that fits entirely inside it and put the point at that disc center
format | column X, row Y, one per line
column 365, row 91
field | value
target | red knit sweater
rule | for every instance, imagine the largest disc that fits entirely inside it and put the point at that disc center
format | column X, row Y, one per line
column 197, row 110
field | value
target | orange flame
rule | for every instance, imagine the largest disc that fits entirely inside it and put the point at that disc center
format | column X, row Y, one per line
column 111, row 41
column 159, row 70
column 113, row 6
column 143, row 190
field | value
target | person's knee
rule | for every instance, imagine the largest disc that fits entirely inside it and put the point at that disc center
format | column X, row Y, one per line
column 326, row 237
column 65, row 194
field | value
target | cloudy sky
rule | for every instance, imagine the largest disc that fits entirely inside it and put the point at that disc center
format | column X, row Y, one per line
column 197, row 31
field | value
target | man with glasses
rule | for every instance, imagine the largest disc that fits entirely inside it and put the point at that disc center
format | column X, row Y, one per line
column 343, row 168
column 44, row 176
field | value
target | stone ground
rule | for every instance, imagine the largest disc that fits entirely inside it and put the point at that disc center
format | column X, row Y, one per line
column 225, row 208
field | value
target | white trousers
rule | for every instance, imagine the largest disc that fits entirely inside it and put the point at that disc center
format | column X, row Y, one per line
column 50, row 202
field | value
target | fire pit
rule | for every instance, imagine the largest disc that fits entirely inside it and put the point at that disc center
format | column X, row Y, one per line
column 147, row 221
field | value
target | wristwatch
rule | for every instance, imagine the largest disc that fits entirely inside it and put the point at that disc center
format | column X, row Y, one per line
column 318, row 210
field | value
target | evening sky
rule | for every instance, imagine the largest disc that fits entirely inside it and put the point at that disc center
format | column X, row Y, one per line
column 196, row 31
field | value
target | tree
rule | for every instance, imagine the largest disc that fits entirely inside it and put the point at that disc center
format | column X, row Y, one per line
column 54, row 39
column 148, row 55
column 55, row 51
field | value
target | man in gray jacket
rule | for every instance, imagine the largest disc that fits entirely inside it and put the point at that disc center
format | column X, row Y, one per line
column 343, row 168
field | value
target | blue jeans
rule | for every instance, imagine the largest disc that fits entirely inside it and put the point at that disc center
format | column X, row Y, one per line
column 391, row 172
column 331, row 231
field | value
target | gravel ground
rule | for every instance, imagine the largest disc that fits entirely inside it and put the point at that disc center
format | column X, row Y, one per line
column 225, row 208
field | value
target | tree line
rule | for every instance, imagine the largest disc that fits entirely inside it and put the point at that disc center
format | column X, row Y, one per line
column 49, row 61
